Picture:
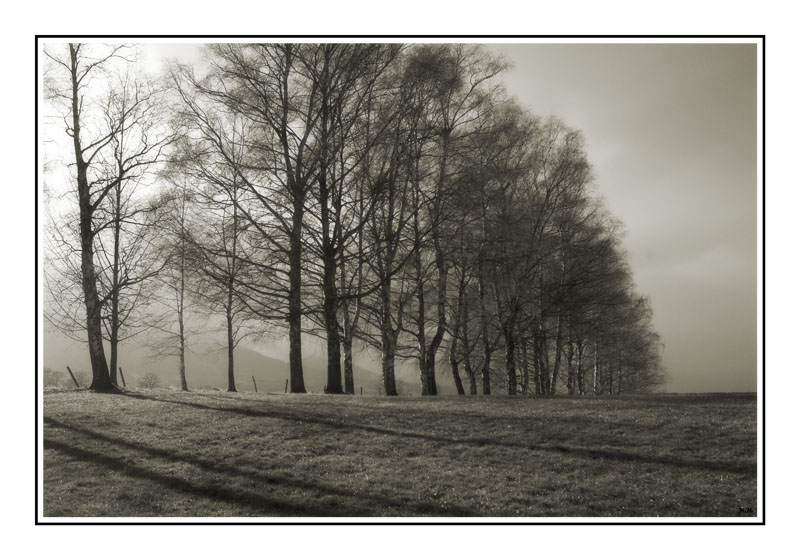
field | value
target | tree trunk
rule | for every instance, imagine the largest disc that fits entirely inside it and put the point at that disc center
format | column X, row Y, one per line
column 330, row 302
column 570, row 368
column 181, row 295
column 113, row 344
column 441, row 269
column 184, row 386
column 473, row 386
column 537, row 373
column 388, row 342
column 182, row 343
column 349, row 382
column 544, row 365
column 511, row 369
column 441, row 322
column 525, row 374
column 423, row 371
column 456, row 377
column 421, row 311
column 233, row 269
column 231, row 344
column 487, row 348
column 421, row 343
column 297, row 385
column 454, row 367
column 465, row 342
column 581, row 390
column 557, row 357
column 334, row 384
column 101, row 380
column 348, row 327
column 595, row 388
column 115, row 291
column 387, row 363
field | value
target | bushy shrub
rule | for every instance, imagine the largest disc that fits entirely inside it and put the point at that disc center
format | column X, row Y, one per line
column 149, row 381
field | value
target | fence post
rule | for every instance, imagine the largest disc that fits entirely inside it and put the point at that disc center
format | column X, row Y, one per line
column 254, row 383
column 122, row 377
column 362, row 389
column 73, row 378
column 286, row 386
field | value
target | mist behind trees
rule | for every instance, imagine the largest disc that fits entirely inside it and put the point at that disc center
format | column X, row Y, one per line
column 390, row 197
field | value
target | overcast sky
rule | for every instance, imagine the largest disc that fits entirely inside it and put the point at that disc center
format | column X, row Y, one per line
column 671, row 133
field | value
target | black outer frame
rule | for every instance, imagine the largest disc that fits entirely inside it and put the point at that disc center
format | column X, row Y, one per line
column 763, row 40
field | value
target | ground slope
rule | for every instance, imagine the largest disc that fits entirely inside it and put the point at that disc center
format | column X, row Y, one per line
column 165, row 453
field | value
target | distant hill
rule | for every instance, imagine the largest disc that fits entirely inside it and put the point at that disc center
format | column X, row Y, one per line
column 211, row 370
column 207, row 367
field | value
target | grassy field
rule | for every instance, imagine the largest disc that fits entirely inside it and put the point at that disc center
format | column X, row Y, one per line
column 165, row 453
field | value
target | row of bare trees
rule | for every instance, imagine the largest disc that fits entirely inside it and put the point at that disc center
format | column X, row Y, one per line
column 385, row 196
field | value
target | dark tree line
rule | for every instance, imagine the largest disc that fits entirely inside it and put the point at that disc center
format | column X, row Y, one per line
column 390, row 196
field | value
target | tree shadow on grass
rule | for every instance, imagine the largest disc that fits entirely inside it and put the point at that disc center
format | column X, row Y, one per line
column 580, row 452
column 587, row 420
column 254, row 501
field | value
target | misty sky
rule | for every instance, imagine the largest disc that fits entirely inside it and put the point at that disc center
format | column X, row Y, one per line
column 671, row 133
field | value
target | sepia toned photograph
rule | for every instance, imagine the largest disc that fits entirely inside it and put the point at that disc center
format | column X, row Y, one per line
column 385, row 281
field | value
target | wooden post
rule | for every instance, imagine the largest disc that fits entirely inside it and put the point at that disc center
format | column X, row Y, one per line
column 73, row 378
column 254, row 383
column 362, row 390
column 122, row 377
column 286, row 386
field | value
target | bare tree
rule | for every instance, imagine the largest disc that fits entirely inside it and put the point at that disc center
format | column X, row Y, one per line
column 455, row 84
column 262, row 84
column 179, row 255
column 124, row 238
column 223, row 265
column 346, row 77
column 79, row 69
column 124, row 135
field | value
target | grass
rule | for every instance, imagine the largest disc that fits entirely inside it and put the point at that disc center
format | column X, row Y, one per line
column 164, row 453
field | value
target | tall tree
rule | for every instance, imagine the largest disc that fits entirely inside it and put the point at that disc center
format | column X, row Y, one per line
column 112, row 142
column 455, row 84
column 346, row 77
column 179, row 254
column 133, row 109
column 222, row 263
column 263, row 85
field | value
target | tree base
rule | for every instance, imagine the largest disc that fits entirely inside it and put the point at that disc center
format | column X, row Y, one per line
column 103, row 388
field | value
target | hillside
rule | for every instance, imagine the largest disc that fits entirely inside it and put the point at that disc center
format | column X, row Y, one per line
column 207, row 367
column 206, row 453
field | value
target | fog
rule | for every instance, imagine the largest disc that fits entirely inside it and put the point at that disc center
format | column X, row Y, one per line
column 671, row 133
column 672, row 136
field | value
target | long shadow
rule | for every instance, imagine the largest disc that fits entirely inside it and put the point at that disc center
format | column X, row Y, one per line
column 248, row 497
column 589, row 453
column 588, row 420
column 390, row 405
column 251, row 500
column 402, row 416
